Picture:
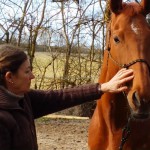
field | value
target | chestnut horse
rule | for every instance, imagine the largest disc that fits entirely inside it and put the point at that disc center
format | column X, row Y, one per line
column 128, row 46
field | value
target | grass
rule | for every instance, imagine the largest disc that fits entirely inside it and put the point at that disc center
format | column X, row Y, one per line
column 49, row 73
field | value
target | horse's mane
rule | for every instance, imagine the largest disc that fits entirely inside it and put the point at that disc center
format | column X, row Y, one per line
column 131, row 9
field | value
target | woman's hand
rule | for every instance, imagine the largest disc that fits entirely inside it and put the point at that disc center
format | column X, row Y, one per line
column 117, row 83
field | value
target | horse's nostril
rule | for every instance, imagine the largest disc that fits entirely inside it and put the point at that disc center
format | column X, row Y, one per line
column 136, row 99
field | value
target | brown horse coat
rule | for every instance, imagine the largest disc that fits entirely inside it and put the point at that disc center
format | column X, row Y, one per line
column 129, row 43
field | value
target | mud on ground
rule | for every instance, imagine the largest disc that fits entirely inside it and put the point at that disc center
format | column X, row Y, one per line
column 62, row 134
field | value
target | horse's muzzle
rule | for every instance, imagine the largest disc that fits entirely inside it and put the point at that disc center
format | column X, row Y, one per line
column 141, row 108
column 140, row 116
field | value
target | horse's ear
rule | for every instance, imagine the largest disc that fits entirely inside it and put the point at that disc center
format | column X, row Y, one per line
column 146, row 6
column 116, row 6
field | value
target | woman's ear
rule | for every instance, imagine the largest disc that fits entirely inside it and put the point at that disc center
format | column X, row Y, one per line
column 9, row 77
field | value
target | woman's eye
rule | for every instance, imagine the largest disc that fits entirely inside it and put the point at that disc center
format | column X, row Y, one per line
column 28, row 71
column 116, row 39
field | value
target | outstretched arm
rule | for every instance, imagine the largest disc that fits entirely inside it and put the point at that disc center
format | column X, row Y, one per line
column 45, row 102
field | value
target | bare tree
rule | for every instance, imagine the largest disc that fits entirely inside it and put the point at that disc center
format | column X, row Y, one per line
column 34, row 34
column 72, row 33
column 22, row 22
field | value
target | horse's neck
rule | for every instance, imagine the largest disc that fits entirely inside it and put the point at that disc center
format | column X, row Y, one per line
column 116, row 103
column 108, row 69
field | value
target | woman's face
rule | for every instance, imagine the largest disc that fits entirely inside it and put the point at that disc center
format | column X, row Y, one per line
column 22, row 79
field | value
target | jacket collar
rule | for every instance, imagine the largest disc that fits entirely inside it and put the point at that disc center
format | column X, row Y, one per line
column 9, row 100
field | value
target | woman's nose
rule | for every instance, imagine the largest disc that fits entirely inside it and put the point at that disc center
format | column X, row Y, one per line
column 32, row 76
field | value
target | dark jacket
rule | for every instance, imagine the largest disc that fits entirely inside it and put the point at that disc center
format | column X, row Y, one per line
column 17, row 114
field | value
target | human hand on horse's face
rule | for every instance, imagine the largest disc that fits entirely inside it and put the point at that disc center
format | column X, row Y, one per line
column 117, row 83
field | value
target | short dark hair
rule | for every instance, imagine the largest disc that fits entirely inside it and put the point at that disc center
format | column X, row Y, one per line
column 11, row 58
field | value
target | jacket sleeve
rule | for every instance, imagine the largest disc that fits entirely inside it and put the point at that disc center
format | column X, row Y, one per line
column 45, row 102
column 5, row 139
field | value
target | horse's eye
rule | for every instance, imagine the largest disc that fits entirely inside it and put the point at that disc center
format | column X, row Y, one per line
column 116, row 39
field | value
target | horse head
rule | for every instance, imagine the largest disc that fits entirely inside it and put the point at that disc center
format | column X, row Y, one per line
column 129, row 46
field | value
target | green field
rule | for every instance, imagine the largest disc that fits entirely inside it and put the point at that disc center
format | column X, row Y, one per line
column 49, row 71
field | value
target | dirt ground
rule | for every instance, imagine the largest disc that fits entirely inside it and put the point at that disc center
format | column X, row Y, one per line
column 62, row 134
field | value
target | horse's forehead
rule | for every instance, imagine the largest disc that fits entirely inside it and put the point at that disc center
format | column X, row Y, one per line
column 136, row 23
column 135, row 27
column 128, row 13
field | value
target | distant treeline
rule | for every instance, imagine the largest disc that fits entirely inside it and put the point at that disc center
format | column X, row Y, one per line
column 62, row 49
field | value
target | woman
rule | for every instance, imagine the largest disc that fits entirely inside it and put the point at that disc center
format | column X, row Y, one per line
column 19, row 105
